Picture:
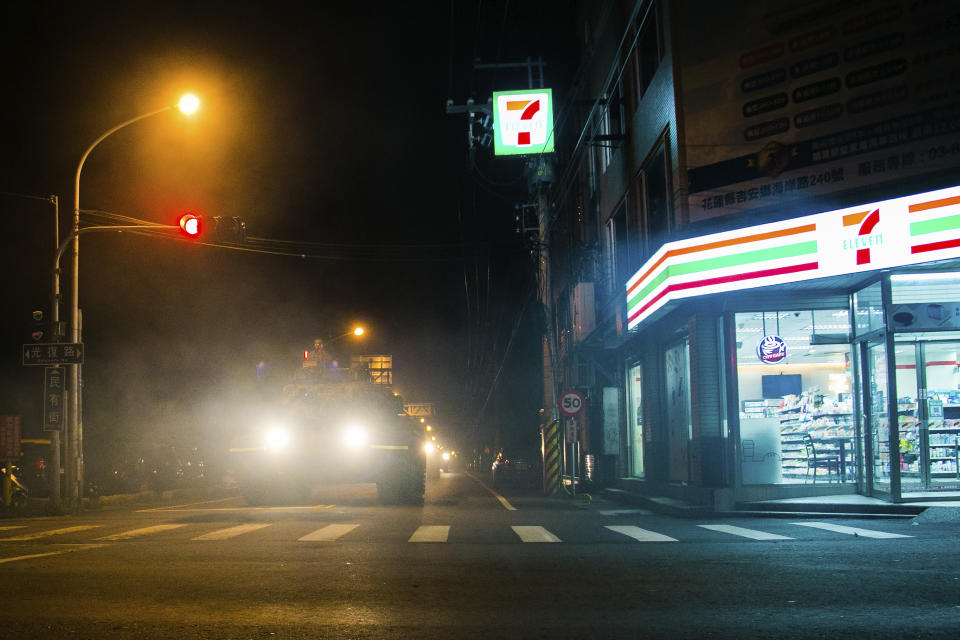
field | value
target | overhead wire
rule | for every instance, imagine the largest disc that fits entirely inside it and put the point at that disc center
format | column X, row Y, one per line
column 340, row 252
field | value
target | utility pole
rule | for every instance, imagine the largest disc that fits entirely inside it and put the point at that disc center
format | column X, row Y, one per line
column 539, row 169
column 55, row 456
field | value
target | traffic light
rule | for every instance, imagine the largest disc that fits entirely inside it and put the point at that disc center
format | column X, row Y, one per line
column 190, row 225
column 214, row 228
column 228, row 229
column 38, row 326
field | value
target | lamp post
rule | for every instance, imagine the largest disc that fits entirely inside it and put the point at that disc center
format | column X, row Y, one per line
column 74, row 437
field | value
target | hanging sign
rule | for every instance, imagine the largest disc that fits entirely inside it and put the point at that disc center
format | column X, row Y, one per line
column 522, row 122
column 771, row 349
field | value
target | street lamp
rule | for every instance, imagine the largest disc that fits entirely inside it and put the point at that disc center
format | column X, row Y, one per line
column 188, row 105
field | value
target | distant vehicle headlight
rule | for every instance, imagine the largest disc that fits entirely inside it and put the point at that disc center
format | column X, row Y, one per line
column 446, row 456
column 355, row 438
column 277, row 439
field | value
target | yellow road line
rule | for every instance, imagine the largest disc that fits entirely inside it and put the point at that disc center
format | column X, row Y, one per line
column 52, row 532
column 73, row 547
column 145, row 531
column 304, row 508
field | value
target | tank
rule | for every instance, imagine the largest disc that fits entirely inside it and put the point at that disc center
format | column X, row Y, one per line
column 331, row 426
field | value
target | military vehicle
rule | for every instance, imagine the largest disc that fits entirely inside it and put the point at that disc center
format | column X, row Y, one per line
column 332, row 425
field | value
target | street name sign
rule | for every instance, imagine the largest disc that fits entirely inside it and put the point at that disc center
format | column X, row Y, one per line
column 48, row 353
column 53, row 398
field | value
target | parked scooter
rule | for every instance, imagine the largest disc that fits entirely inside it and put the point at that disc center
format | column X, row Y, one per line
column 14, row 493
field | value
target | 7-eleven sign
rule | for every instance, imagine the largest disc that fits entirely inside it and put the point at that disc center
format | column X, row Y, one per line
column 522, row 122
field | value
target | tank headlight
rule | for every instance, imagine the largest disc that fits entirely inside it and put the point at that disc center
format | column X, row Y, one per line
column 277, row 439
column 429, row 448
column 355, row 438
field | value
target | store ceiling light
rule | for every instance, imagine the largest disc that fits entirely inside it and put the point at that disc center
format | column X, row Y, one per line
column 921, row 277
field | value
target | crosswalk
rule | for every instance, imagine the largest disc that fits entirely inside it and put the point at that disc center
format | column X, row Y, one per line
column 434, row 533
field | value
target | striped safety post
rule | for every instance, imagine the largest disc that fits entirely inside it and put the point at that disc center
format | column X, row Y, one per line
column 550, row 437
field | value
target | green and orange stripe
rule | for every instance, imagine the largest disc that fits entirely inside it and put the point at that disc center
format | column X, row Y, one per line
column 935, row 225
column 649, row 288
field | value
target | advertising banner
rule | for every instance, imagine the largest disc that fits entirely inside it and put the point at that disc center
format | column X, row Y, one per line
column 785, row 100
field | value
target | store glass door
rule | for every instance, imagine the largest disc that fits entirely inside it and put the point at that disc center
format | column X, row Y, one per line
column 877, row 420
column 940, row 438
column 928, row 385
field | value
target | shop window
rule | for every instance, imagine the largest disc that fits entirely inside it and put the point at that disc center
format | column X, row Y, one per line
column 647, row 53
column 925, row 287
column 602, row 137
column 635, row 419
column 617, row 250
column 794, row 377
column 868, row 309
column 655, row 196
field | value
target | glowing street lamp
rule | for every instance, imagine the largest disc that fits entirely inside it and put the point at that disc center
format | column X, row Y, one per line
column 188, row 105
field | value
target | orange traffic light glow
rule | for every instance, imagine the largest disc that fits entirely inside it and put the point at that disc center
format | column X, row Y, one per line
column 190, row 224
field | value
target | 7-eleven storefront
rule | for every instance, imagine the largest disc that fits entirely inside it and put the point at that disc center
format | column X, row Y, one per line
column 811, row 356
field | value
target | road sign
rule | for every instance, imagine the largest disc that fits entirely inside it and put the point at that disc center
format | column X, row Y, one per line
column 53, row 398
column 571, row 402
column 418, row 409
column 48, row 353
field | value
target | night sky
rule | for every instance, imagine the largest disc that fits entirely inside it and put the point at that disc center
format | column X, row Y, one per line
column 323, row 128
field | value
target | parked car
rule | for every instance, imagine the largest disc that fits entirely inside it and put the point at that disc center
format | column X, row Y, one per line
column 515, row 472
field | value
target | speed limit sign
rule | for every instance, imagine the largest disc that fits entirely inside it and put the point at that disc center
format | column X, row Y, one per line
column 571, row 402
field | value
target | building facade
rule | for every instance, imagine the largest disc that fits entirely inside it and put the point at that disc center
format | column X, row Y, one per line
column 755, row 248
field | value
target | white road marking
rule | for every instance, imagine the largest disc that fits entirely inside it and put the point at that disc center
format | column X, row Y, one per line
column 853, row 531
column 641, row 535
column 73, row 547
column 329, row 533
column 231, row 532
column 145, row 531
column 625, row 512
column 430, row 533
column 753, row 534
column 52, row 532
column 506, row 504
column 534, row 534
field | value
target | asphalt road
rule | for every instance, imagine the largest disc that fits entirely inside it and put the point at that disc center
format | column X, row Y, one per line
column 470, row 564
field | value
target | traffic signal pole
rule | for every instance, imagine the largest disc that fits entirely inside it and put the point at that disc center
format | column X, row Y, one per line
column 54, row 479
column 73, row 437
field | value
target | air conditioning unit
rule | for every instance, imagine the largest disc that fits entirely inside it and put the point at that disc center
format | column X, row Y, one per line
column 582, row 308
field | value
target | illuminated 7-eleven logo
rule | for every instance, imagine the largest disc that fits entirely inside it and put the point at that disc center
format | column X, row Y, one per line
column 523, row 122
column 864, row 221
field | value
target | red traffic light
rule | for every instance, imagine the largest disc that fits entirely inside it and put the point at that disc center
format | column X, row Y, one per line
column 190, row 224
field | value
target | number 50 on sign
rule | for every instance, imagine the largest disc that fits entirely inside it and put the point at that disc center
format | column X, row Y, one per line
column 571, row 402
